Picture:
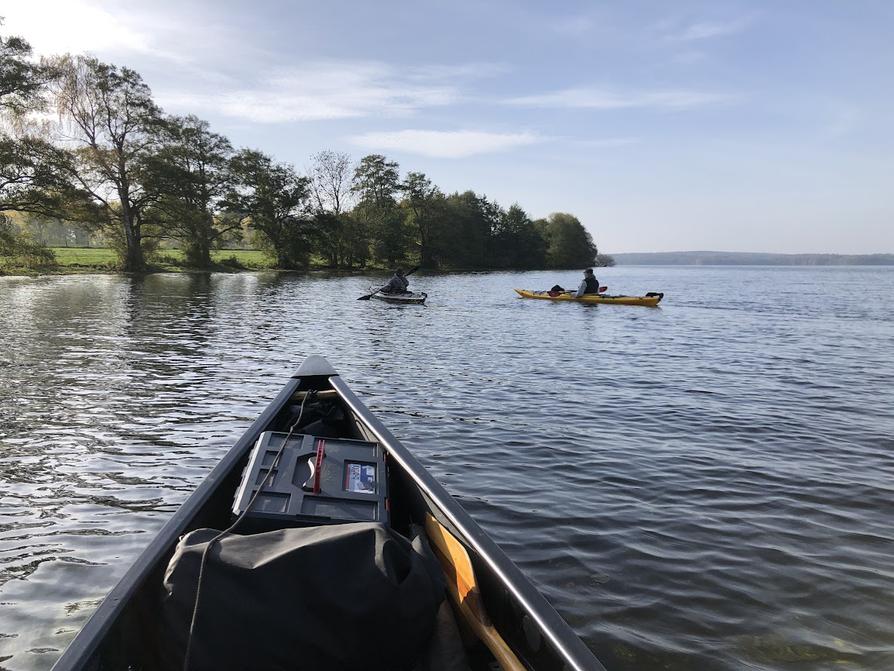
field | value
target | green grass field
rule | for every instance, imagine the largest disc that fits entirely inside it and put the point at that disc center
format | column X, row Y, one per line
column 86, row 257
column 101, row 258
column 252, row 259
column 71, row 260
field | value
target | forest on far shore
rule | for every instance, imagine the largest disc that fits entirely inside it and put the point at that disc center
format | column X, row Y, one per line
column 87, row 158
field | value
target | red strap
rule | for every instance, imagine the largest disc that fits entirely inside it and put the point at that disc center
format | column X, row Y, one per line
column 318, row 464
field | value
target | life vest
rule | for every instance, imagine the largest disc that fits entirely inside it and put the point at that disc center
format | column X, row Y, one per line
column 592, row 285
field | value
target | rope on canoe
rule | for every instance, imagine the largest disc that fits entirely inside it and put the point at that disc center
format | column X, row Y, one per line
column 229, row 529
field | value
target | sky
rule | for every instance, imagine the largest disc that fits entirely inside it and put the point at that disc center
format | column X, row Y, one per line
column 663, row 126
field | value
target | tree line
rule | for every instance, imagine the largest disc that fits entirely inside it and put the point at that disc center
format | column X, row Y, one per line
column 112, row 161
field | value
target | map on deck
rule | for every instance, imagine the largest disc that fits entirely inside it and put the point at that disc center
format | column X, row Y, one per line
column 360, row 478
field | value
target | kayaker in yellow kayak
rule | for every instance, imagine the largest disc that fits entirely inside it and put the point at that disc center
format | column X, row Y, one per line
column 588, row 285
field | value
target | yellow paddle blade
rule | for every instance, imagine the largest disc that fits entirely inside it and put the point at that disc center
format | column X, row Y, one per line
column 463, row 590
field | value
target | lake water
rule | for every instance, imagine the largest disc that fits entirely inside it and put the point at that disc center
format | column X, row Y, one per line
column 706, row 485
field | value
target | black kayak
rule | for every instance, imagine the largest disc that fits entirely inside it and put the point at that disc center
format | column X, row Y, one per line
column 374, row 485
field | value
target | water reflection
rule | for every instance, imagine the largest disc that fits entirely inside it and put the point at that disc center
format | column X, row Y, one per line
column 706, row 485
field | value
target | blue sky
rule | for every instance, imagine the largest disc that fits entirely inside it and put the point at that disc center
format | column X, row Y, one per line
column 743, row 126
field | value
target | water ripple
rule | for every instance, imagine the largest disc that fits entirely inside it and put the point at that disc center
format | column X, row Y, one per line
column 708, row 485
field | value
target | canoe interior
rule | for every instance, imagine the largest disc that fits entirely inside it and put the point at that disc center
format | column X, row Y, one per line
column 124, row 632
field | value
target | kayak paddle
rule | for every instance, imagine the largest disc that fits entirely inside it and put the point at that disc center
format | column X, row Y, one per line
column 368, row 296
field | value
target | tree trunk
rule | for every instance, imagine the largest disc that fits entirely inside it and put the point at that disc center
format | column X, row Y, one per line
column 198, row 254
column 424, row 250
column 198, row 250
column 133, row 257
column 134, row 262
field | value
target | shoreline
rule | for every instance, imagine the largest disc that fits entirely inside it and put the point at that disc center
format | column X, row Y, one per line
column 384, row 272
column 70, row 261
column 102, row 261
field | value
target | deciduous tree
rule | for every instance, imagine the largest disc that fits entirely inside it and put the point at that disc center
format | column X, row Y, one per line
column 330, row 181
column 423, row 201
column 111, row 120
column 191, row 173
column 35, row 176
column 515, row 241
column 569, row 244
column 33, row 172
column 276, row 201
column 377, row 183
column 22, row 81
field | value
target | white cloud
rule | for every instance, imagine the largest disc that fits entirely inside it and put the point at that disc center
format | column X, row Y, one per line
column 56, row 26
column 455, row 72
column 330, row 90
column 601, row 99
column 705, row 30
column 445, row 144
column 143, row 32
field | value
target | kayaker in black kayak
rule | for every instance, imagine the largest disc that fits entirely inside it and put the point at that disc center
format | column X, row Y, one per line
column 589, row 285
column 398, row 284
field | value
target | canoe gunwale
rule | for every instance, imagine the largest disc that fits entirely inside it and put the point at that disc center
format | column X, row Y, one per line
column 85, row 643
column 577, row 655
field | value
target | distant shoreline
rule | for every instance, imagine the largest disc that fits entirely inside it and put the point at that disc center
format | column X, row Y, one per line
column 749, row 259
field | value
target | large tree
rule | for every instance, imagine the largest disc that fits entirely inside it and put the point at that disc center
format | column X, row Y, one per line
column 464, row 233
column 377, row 180
column 515, row 241
column 331, row 175
column 330, row 181
column 35, row 177
column 21, row 79
column 33, row 172
column 424, row 203
column 191, row 173
column 276, row 202
column 569, row 244
column 110, row 119
column 377, row 184
column 27, row 162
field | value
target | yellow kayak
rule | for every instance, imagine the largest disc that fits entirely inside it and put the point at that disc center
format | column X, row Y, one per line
column 650, row 300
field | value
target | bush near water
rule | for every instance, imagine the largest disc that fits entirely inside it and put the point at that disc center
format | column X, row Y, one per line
column 164, row 191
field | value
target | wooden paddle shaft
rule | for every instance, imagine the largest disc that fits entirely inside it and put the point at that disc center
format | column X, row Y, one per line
column 463, row 590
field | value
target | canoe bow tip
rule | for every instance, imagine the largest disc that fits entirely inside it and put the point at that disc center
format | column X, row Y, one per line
column 315, row 366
